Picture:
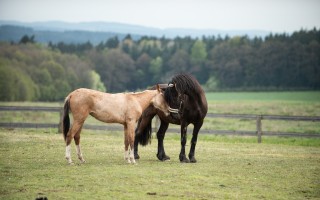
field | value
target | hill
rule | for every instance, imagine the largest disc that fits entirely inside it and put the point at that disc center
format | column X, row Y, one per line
column 95, row 32
column 15, row 33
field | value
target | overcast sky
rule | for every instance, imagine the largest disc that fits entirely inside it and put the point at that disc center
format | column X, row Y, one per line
column 269, row 15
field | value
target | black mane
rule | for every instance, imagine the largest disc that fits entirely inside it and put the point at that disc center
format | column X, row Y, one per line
column 184, row 84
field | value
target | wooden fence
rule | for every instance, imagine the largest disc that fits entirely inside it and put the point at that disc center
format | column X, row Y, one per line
column 258, row 118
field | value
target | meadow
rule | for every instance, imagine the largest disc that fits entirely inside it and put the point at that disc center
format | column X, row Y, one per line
column 32, row 161
column 33, row 165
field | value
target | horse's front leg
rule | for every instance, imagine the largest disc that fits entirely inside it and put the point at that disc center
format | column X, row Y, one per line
column 182, row 155
column 129, row 142
column 194, row 139
column 126, row 144
column 160, row 135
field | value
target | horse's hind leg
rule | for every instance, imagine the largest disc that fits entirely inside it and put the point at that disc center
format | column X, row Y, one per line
column 77, row 142
column 76, row 128
column 161, row 155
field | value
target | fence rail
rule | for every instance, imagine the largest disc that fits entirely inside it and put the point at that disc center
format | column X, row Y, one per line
column 30, row 108
column 258, row 132
column 270, row 117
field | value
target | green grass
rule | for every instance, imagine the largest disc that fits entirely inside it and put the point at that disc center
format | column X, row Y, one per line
column 290, row 141
column 294, row 108
column 32, row 164
column 305, row 96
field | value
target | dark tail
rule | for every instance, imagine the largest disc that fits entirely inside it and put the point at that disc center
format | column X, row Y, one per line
column 66, row 119
column 143, row 131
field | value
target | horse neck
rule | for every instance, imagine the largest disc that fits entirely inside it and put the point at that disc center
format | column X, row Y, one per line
column 144, row 98
column 198, row 99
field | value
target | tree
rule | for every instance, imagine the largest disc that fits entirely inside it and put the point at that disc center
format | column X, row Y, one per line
column 15, row 85
column 179, row 62
column 55, row 70
column 112, row 43
column 127, row 44
column 155, row 68
column 116, row 70
column 26, row 39
column 96, row 82
column 141, row 74
column 198, row 57
column 198, row 52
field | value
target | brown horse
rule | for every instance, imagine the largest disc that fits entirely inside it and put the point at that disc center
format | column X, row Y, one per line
column 123, row 108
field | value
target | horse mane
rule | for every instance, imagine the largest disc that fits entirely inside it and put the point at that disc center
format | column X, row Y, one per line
column 184, row 84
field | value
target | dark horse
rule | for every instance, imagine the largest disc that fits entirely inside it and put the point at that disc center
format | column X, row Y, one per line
column 184, row 93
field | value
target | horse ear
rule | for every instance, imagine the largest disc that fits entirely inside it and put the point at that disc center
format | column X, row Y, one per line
column 158, row 88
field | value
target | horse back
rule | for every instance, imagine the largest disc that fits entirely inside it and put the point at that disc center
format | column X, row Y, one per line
column 105, row 107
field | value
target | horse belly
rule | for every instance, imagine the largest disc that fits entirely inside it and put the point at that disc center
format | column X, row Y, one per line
column 108, row 117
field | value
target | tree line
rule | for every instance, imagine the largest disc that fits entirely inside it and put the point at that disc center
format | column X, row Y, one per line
column 32, row 71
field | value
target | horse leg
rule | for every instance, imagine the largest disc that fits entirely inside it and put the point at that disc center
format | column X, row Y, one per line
column 182, row 155
column 136, row 144
column 126, row 144
column 76, row 127
column 160, row 135
column 143, row 131
column 131, row 134
column 196, row 129
column 77, row 142
column 129, row 142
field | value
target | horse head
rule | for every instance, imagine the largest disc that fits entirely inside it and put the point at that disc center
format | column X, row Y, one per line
column 160, row 103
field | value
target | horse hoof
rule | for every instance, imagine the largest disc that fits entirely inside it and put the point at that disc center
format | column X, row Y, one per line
column 163, row 157
column 136, row 156
column 69, row 161
column 193, row 160
column 183, row 159
column 166, row 158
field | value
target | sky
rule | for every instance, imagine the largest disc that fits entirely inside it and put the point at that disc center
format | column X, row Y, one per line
column 269, row 15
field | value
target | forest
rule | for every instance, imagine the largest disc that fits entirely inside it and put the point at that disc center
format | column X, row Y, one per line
column 32, row 71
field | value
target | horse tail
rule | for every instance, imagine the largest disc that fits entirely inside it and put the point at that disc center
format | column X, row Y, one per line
column 143, row 131
column 65, row 118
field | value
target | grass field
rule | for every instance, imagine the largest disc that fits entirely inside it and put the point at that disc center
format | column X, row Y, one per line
column 32, row 165
column 32, row 161
column 305, row 96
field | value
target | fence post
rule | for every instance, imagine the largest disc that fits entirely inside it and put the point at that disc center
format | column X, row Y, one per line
column 259, row 129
